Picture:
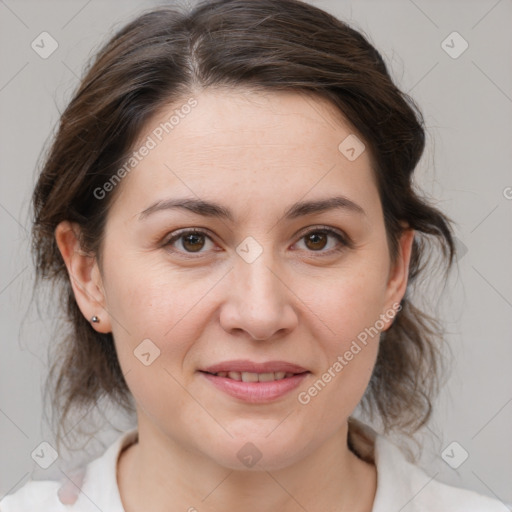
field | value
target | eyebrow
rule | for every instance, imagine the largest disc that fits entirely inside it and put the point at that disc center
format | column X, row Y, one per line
column 212, row 209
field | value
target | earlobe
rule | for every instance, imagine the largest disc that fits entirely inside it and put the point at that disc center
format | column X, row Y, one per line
column 84, row 276
column 399, row 272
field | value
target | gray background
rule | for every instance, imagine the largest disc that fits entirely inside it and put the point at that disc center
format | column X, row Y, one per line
column 467, row 103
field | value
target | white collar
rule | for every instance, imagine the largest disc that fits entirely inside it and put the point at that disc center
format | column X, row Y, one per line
column 401, row 486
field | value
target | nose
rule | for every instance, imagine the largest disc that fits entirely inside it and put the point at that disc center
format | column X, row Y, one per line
column 259, row 303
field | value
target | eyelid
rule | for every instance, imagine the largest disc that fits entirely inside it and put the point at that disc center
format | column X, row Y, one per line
column 344, row 241
column 185, row 231
column 328, row 229
column 176, row 235
column 340, row 235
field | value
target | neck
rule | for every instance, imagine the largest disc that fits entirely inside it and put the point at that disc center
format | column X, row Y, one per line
column 156, row 473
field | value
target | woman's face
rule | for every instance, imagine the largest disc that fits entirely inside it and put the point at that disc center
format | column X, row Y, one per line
column 286, row 273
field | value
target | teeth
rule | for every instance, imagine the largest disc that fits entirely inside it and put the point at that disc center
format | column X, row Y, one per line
column 249, row 377
column 255, row 377
column 265, row 377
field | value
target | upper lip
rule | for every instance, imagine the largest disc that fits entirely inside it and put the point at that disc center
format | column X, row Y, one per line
column 240, row 365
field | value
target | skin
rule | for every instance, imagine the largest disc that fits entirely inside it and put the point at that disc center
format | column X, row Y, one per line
column 256, row 154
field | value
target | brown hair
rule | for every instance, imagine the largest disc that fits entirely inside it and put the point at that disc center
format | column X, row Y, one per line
column 163, row 56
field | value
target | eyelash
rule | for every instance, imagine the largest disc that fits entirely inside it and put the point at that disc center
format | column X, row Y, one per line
column 344, row 241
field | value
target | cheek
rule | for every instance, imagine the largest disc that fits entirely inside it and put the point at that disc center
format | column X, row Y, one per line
column 158, row 315
column 352, row 313
column 349, row 306
column 348, row 348
column 149, row 296
column 348, row 300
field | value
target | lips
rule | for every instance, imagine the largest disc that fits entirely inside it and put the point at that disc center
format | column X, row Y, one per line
column 249, row 371
column 254, row 377
column 255, row 387
column 245, row 366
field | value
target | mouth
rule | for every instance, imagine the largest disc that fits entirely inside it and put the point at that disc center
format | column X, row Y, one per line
column 255, row 382
column 255, row 377
column 250, row 371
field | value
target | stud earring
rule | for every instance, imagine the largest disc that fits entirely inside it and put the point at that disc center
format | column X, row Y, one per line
column 95, row 320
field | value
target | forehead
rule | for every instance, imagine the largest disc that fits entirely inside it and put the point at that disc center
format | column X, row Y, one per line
column 257, row 143
column 236, row 122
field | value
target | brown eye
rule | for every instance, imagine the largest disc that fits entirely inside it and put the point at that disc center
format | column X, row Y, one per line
column 190, row 241
column 193, row 242
column 316, row 241
column 324, row 241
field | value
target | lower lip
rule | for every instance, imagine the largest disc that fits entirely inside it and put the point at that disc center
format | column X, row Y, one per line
column 256, row 392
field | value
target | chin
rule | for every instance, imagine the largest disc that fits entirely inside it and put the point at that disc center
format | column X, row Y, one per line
column 258, row 453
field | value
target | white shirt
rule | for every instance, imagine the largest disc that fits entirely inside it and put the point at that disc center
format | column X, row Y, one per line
column 401, row 486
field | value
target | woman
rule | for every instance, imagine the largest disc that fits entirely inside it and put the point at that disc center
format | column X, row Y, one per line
column 228, row 209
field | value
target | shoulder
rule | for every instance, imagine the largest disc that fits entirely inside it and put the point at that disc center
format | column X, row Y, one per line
column 38, row 495
column 445, row 497
column 34, row 496
column 404, row 486
column 410, row 488
column 84, row 489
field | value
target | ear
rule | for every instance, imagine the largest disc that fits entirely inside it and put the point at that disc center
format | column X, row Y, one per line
column 398, row 276
column 84, row 275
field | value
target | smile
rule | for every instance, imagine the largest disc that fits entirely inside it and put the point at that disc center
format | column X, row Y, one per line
column 255, row 388
column 255, row 377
